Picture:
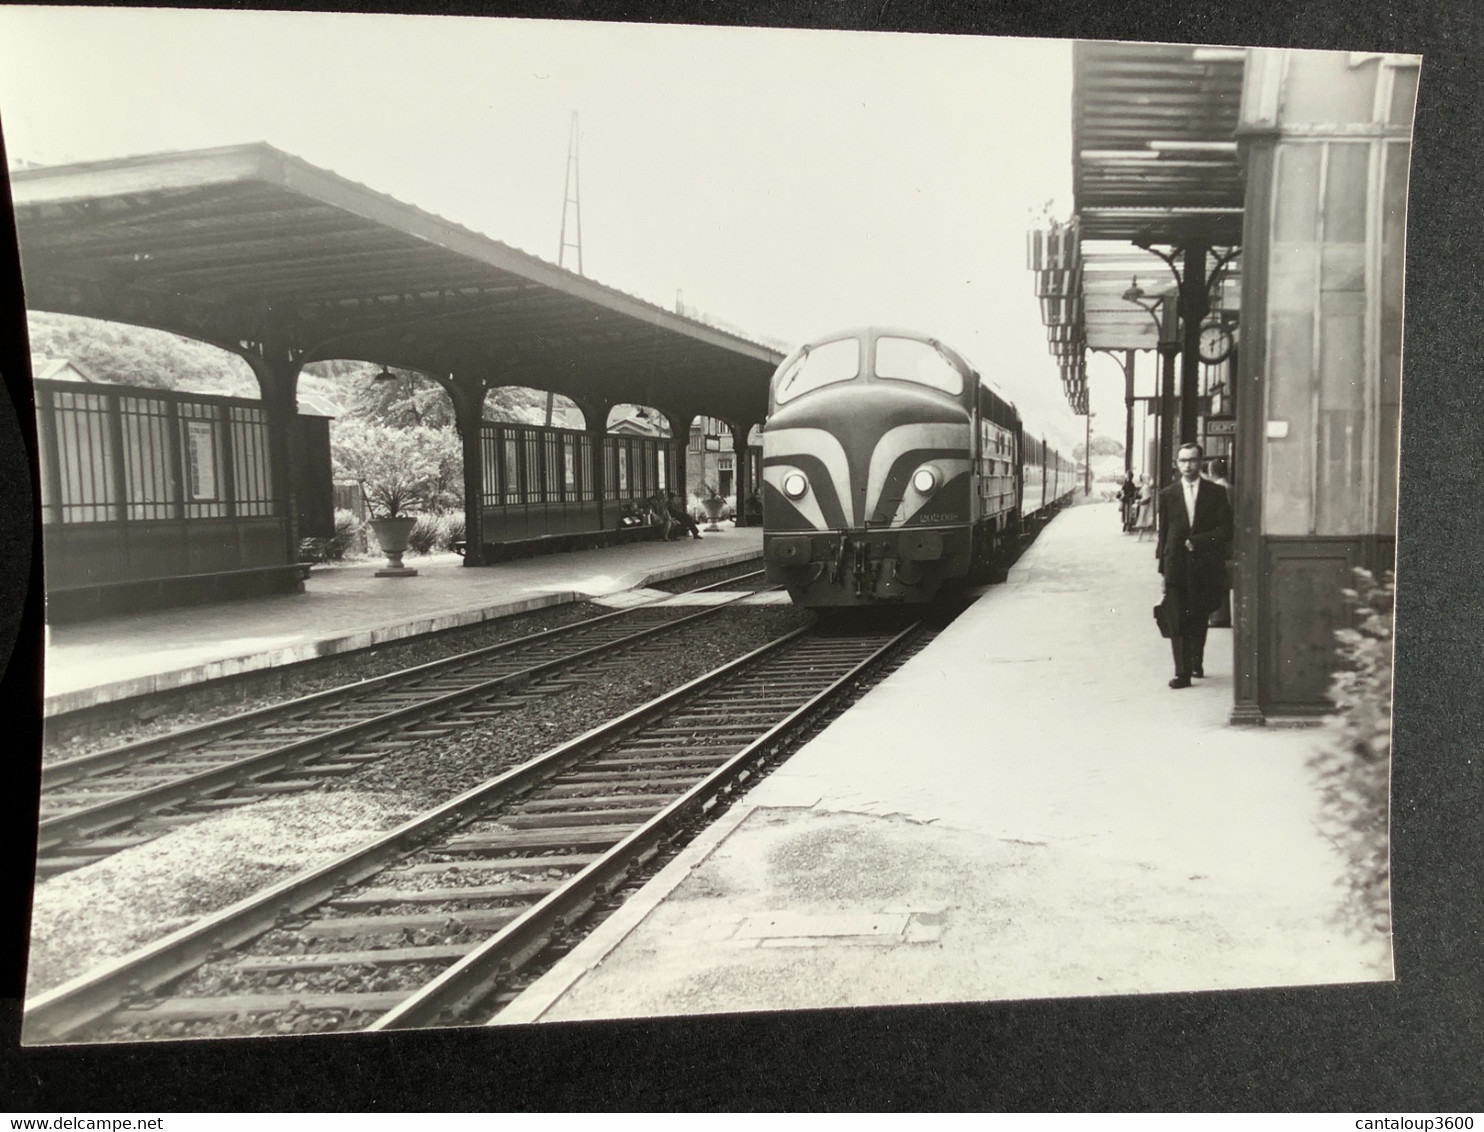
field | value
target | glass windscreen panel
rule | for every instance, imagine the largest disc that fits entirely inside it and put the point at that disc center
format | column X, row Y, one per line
column 907, row 359
column 823, row 365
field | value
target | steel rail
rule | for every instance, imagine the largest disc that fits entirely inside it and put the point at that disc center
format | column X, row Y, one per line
column 58, row 831
column 49, row 1017
column 709, row 586
column 471, row 978
column 63, row 771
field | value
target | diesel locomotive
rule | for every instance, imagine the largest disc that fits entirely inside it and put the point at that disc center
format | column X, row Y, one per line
column 890, row 465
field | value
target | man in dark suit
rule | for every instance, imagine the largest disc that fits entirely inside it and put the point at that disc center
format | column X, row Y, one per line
column 1195, row 529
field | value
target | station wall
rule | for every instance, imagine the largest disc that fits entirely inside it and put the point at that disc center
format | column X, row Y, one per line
column 1327, row 137
column 152, row 497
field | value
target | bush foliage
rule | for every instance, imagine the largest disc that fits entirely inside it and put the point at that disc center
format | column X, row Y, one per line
column 426, row 534
column 1353, row 762
column 453, row 529
column 436, row 532
column 347, row 537
column 400, row 470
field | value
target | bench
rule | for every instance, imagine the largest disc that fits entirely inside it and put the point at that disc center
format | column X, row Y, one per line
column 101, row 599
column 557, row 544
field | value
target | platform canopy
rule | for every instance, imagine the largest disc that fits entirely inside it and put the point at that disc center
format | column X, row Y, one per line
column 1154, row 162
column 246, row 245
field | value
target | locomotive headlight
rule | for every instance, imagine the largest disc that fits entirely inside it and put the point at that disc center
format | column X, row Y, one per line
column 925, row 480
column 795, row 484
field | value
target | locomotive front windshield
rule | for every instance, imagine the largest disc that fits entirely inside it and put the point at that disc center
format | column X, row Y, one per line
column 818, row 366
column 907, row 359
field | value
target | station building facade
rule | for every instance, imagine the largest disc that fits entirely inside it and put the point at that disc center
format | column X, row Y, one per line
column 1326, row 142
column 1257, row 196
column 154, row 498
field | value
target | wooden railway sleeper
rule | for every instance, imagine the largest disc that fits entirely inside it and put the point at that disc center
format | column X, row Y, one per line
column 319, row 705
column 470, row 979
column 64, row 1008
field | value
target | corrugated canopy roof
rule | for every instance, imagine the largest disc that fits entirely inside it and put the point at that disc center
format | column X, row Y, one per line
column 1155, row 159
column 1154, row 133
column 249, row 244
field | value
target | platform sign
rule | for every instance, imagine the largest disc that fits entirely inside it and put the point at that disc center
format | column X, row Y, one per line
column 201, row 459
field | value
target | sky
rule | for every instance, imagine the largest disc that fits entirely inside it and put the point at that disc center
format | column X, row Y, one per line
column 783, row 183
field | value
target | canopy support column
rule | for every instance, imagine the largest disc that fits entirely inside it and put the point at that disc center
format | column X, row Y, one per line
column 1125, row 359
column 595, row 424
column 680, row 438
column 1168, row 351
column 467, row 394
column 1128, row 413
column 742, row 459
column 276, row 365
column 1193, row 308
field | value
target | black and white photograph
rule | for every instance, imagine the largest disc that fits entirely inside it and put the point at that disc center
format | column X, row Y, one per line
column 558, row 522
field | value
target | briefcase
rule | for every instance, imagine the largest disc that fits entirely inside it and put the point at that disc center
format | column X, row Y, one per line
column 1167, row 617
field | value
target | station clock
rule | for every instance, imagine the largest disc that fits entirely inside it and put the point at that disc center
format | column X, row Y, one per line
column 1216, row 341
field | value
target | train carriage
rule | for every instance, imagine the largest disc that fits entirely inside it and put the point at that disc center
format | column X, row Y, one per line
column 890, row 465
column 1049, row 479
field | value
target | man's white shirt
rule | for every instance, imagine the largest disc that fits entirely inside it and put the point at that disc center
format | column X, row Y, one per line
column 1191, row 487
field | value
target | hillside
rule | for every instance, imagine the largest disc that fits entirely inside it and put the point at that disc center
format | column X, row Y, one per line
column 120, row 354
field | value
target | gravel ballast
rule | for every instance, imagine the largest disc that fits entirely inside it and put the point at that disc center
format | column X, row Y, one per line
column 141, row 894
column 440, row 768
column 93, row 914
column 67, row 737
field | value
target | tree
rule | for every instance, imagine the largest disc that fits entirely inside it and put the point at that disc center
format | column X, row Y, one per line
column 121, row 354
column 1101, row 446
column 375, row 414
column 411, row 401
column 398, row 468
column 446, row 493
column 521, row 405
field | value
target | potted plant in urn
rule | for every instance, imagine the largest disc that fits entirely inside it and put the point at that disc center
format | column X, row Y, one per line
column 392, row 531
column 395, row 467
column 714, row 504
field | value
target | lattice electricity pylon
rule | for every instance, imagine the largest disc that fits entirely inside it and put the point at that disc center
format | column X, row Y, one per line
column 571, row 203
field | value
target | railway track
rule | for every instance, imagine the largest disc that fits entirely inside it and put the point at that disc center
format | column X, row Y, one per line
column 97, row 804
column 422, row 925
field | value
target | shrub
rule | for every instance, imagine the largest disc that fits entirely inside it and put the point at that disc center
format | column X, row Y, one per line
column 314, row 550
column 347, row 536
column 1353, row 762
column 453, row 530
column 425, row 534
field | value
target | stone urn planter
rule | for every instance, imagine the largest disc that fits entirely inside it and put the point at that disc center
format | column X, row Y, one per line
column 714, row 505
column 392, row 536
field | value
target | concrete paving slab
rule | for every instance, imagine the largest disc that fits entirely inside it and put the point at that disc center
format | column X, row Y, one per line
column 1080, row 828
column 627, row 599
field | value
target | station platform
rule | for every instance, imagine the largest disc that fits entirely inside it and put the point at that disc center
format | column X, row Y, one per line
column 1023, row 810
column 346, row 607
